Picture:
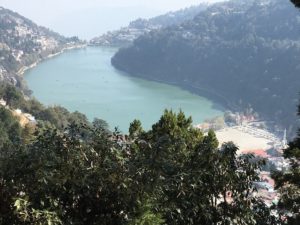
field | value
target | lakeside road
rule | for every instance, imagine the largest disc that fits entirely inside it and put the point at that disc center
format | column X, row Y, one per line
column 25, row 68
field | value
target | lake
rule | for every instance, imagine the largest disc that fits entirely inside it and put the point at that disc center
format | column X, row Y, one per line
column 84, row 80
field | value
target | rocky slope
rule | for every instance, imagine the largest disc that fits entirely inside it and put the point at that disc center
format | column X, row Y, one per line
column 245, row 53
column 126, row 35
column 23, row 43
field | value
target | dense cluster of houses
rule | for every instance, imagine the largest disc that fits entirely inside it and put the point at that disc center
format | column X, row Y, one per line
column 2, row 102
column 249, row 124
column 124, row 36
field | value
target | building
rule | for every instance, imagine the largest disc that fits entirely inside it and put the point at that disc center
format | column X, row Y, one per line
column 18, row 111
column 30, row 117
column 2, row 102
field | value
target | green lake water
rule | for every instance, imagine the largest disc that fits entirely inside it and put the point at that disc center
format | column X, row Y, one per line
column 84, row 80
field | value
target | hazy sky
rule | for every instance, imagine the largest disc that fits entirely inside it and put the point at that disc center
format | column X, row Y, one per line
column 89, row 18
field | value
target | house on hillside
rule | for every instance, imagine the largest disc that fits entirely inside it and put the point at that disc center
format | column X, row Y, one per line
column 3, row 102
column 30, row 117
column 24, row 118
column 18, row 111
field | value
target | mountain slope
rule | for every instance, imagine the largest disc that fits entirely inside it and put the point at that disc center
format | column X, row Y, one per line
column 126, row 35
column 23, row 43
column 246, row 52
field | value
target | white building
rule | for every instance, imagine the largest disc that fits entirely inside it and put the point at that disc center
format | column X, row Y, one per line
column 18, row 111
column 30, row 117
column 2, row 102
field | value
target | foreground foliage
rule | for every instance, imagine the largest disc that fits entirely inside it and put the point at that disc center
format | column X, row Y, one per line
column 288, row 183
column 85, row 174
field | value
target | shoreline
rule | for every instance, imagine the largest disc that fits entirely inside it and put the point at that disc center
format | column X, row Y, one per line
column 218, row 99
column 22, row 70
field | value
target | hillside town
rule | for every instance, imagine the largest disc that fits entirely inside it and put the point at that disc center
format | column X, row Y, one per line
column 126, row 35
column 24, row 43
column 122, row 37
column 252, row 136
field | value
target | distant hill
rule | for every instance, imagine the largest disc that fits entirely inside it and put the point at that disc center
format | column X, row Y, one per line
column 23, row 43
column 126, row 35
column 244, row 53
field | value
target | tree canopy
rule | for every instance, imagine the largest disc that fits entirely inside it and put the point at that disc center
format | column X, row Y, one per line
column 85, row 174
column 296, row 2
column 288, row 183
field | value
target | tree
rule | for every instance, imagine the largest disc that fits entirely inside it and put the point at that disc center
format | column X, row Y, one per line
column 288, row 182
column 11, row 95
column 135, row 128
column 296, row 2
column 187, row 178
column 68, row 178
column 10, row 130
column 171, row 174
column 100, row 124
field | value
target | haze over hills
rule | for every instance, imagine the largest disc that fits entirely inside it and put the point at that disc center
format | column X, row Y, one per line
column 126, row 35
column 23, row 43
column 91, row 18
column 242, row 53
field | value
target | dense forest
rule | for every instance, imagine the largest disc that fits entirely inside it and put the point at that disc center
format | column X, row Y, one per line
column 241, row 53
column 66, row 170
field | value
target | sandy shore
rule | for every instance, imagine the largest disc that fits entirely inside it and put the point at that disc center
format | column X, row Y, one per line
column 248, row 138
